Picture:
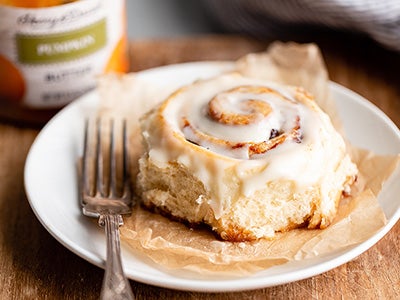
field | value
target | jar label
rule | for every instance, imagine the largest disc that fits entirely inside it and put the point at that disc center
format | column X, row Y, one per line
column 63, row 46
column 54, row 54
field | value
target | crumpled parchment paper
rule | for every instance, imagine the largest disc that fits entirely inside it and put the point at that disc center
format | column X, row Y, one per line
column 174, row 245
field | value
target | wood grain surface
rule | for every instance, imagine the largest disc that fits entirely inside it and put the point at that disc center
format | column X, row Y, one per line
column 33, row 265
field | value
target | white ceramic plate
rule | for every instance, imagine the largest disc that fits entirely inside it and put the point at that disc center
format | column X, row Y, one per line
column 51, row 186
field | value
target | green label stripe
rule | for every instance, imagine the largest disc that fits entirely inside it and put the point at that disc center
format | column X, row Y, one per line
column 66, row 46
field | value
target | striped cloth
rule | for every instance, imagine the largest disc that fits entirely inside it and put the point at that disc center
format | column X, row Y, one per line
column 380, row 19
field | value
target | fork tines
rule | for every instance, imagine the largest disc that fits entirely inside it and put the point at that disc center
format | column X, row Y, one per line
column 104, row 181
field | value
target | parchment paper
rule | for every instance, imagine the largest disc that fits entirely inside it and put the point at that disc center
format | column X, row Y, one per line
column 174, row 245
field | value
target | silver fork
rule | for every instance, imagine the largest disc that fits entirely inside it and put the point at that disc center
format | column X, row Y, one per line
column 106, row 194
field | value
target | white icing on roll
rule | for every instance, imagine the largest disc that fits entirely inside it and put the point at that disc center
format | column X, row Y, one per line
column 252, row 127
column 183, row 130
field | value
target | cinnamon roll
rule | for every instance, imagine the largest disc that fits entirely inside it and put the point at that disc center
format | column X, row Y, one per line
column 247, row 157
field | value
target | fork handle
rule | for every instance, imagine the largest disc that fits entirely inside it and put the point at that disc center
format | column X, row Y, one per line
column 115, row 283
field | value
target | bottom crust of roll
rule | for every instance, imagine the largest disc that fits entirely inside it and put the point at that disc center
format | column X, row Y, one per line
column 281, row 206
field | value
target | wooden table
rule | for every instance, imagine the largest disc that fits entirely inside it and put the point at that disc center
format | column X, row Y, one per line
column 33, row 265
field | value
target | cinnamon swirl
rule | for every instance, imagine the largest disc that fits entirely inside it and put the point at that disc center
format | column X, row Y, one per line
column 245, row 156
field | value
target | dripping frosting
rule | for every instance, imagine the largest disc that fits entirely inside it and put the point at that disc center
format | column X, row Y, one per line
column 233, row 128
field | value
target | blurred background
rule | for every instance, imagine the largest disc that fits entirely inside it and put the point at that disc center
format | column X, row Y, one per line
column 174, row 31
column 167, row 18
column 302, row 20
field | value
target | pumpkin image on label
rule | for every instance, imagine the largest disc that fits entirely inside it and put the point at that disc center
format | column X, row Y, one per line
column 51, row 51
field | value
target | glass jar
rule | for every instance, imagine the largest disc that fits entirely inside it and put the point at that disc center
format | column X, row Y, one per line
column 52, row 50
